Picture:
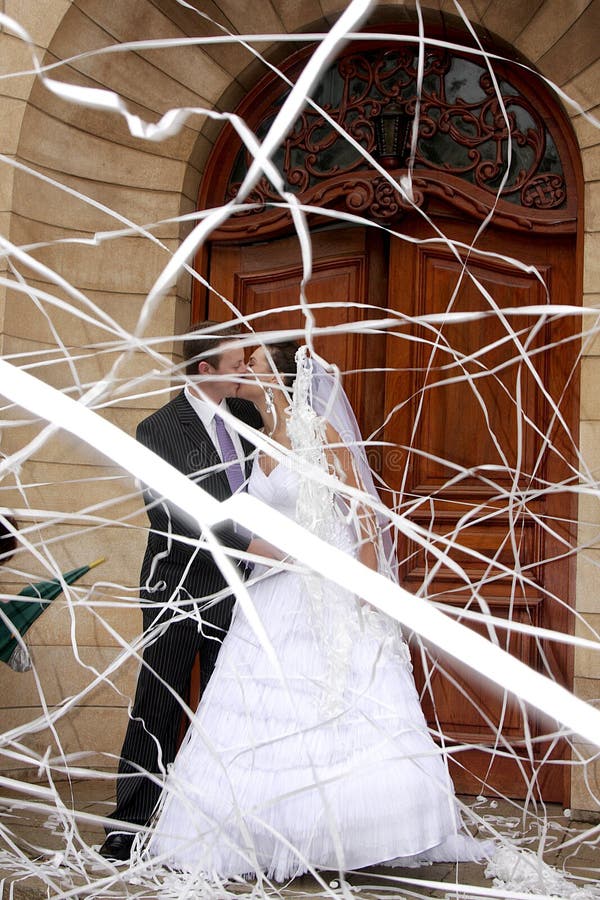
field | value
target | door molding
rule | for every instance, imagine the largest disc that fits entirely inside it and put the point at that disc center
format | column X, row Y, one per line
column 460, row 154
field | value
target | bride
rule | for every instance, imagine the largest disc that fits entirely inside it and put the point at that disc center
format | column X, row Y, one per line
column 332, row 766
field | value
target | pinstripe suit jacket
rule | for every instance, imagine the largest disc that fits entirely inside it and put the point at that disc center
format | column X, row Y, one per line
column 176, row 433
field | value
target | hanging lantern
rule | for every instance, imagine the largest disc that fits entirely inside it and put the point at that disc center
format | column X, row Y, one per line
column 392, row 130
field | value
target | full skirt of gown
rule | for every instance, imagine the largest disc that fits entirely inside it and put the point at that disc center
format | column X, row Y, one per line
column 325, row 762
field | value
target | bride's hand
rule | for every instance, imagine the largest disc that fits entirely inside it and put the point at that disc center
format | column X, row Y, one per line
column 260, row 547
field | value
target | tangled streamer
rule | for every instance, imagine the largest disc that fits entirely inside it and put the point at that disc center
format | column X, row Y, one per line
column 57, row 786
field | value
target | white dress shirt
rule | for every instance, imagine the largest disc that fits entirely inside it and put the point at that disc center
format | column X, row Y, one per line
column 206, row 414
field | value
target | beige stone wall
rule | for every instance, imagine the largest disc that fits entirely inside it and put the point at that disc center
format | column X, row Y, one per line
column 141, row 182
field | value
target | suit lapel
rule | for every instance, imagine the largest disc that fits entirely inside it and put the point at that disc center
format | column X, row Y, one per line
column 200, row 438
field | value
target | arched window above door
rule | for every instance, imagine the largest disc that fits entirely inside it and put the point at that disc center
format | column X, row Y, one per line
column 466, row 157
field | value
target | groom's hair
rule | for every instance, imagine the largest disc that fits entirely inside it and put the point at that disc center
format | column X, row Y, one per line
column 199, row 344
column 283, row 355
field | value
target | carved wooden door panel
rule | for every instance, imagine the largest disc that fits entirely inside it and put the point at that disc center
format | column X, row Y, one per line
column 481, row 443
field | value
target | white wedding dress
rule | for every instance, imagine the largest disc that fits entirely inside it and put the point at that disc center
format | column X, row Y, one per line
column 333, row 767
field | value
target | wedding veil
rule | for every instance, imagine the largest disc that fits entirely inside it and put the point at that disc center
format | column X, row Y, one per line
column 321, row 391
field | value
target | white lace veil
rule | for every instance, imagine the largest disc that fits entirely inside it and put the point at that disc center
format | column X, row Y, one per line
column 337, row 618
column 318, row 391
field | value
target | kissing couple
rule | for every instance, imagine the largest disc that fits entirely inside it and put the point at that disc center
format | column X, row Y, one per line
column 320, row 759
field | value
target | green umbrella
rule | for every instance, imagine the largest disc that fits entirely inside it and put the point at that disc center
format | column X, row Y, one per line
column 23, row 613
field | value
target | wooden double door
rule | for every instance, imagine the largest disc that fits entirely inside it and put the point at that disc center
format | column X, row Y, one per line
column 449, row 358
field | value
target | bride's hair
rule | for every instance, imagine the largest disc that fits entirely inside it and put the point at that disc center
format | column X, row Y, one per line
column 283, row 355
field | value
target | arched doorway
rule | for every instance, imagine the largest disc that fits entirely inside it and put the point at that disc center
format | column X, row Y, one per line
column 471, row 383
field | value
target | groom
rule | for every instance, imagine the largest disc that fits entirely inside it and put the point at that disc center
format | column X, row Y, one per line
column 192, row 438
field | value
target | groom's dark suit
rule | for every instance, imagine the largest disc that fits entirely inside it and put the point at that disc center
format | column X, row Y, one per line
column 174, row 570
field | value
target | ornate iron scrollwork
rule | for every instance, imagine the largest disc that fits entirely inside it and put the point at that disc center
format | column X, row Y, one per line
column 502, row 147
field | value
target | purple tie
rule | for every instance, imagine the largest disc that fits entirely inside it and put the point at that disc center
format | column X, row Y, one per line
column 235, row 473
column 234, row 470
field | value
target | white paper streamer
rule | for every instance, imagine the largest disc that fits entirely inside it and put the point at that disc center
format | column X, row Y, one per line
column 65, row 874
column 455, row 639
